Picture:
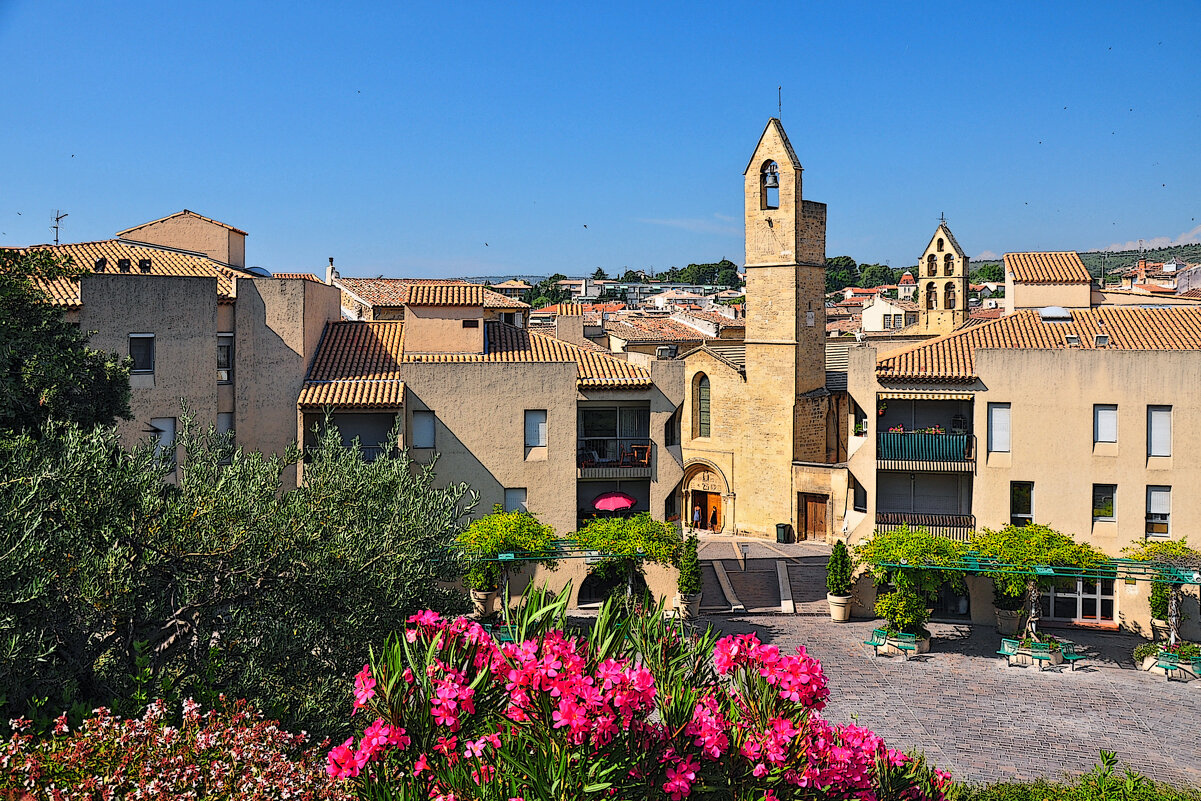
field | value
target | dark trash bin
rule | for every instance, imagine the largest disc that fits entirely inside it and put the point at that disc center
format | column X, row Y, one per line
column 781, row 532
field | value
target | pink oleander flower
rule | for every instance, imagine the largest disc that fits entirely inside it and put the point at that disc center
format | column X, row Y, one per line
column 364, row 688
column 344, row 761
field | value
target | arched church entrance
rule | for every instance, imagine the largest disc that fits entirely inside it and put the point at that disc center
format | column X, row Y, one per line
column 706, row 504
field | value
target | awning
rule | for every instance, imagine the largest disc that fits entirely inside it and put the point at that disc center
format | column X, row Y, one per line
column 920, row 395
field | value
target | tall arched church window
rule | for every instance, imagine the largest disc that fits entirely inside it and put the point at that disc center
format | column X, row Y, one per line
column 702, row 421
column 948, row 264
column 769, row 186
column 948, row 296
column 931, row 296
column 931, row 265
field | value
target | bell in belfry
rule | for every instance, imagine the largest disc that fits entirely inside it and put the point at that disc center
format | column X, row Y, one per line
column 771, row 178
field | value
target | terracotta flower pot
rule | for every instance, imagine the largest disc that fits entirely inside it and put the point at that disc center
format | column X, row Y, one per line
column 1008, row 621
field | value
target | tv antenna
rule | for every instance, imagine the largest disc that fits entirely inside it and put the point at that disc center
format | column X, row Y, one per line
column 59, row 216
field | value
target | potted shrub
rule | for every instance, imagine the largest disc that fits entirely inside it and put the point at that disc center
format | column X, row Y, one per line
column 1166, row 596
column 838, row 583
column 483, row 582
column 688, row 585
column 1008, row 610
column 907, row 612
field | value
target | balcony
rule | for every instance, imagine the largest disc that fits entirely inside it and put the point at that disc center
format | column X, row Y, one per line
column 953, row 527
column 924, row 451
column 614, row 457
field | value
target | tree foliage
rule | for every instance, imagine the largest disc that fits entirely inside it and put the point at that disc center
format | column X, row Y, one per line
column 47, row 370
column 1027, row 547
column 689, row 581
column 989, row 273
column 876, row 274
column 225, row 581
column 501, row 532
column 838, row 570
column 841, row 272
column 915, row 564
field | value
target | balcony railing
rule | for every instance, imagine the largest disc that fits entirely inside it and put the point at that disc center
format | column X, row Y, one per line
column 614, row 457
column 920, row 450
column 953, row 527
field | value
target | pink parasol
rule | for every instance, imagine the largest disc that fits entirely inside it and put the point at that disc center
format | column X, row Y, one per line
column 613, row 502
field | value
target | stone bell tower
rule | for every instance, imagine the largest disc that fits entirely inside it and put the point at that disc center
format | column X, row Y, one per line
column 785, row 287
column 942, row 283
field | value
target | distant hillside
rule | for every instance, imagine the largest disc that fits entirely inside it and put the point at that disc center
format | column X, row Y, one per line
column 1112, row 260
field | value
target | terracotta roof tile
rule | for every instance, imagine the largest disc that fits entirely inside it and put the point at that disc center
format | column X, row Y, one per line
column 952, row 358
column 1192, row 294
column 1047, row 268
column 358, row 364
column 446, row 295
column 395, row 291
column 652, row 329
column 104, row 257
column 302, row 276
column 718, row 318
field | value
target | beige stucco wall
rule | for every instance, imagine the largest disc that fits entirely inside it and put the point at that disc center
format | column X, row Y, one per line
column 439, row 329
column 182, row 315
column 192, row 233
column 1036, row 296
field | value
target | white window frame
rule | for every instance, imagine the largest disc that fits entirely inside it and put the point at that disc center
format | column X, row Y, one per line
column 535, row 428
column 225, row 375
column 1105, row 422
column 164, row 431
column 153, row 348
column 1159, row 430
column 995, row 438
column 1159, row 498
column 425, row 427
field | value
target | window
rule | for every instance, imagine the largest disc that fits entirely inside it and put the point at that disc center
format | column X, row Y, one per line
column 1159, row 430
column 1103, row 501
column 931, row 297
column 535, row 428
column 141, row 350
column 515, row 499
column 1021, row 503
column 998, row 428
column 949, row 296
column 225, row 358
column 897, row 321
column 1159, row 509
column 1105, row 423
column 471, row 323
column 225, row 428
column 671, row 431
column 703, row 421
column 163, row 430
column 931, row 265
column 948, row 264
column 940, row 244
column 423, row 429
column 860, row 496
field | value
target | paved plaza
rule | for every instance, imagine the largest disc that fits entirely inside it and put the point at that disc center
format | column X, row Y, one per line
column 962, row 705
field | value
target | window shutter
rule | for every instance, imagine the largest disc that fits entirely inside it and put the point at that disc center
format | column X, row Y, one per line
column 423, row 429
column 1159, row 435
column 1159, row 500
column 703, row 407
column 1105, row 423
column 998, row 427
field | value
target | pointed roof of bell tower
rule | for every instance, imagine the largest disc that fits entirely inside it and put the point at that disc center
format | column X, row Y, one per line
column 775, row 129
column 946, row 234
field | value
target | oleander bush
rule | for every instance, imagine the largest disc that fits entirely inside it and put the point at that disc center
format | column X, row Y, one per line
column 634, row 707
column 229, row 752
column 1103, row 783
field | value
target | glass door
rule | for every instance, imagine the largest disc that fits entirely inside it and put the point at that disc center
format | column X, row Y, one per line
column 1080, row 601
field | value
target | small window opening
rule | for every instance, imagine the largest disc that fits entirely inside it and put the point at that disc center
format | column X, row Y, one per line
column 471, row 323
column 948, row 264
column 123, row 265
column 144, row 265
column 100, row 263
column 940, row 244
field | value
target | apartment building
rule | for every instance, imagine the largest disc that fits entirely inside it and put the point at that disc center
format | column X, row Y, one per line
column 1084, row 419
column 203, row 332
column 529, row 420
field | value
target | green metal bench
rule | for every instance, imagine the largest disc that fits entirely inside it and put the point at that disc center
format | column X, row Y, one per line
column 905, row 643
column 501, row 634
column 1041, row 652
column 1009, row 649
column 878, row 640
column 1068, row 650
column 1195, row 666
column 1169, row 663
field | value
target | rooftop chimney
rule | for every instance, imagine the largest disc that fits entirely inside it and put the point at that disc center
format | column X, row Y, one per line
column 330, row 272
column 1142, row 269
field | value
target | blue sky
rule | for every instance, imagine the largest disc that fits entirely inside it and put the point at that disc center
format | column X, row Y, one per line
column 400, row 137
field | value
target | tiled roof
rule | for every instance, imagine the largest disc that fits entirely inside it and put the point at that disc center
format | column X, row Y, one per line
column 718, row 318
column 513, row 283
column 952, row 358
column 1047, row 268
column 395, row 291
column 652, row 329
column 184, row 213
column 1192, row 293
column 88, row 255
column 907, row 278
column 951, row 239
column 445, row 295
column 900, row 303
column 302, row 276
column 845, row 325
column 506, row 343
column 732, row 353
column 1154, row 288
column 357, row 365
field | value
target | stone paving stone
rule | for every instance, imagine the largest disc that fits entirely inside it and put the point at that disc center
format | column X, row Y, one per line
column 987, row 722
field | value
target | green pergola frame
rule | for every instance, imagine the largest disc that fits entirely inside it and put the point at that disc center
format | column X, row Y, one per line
column 1126, row 569
column 563, row 549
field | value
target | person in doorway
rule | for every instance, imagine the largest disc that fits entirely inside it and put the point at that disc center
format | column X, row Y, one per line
column 697, row 517
column 713, row 521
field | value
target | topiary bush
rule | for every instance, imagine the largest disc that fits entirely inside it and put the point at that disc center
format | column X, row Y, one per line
column 689, row 581
column 838, row 570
